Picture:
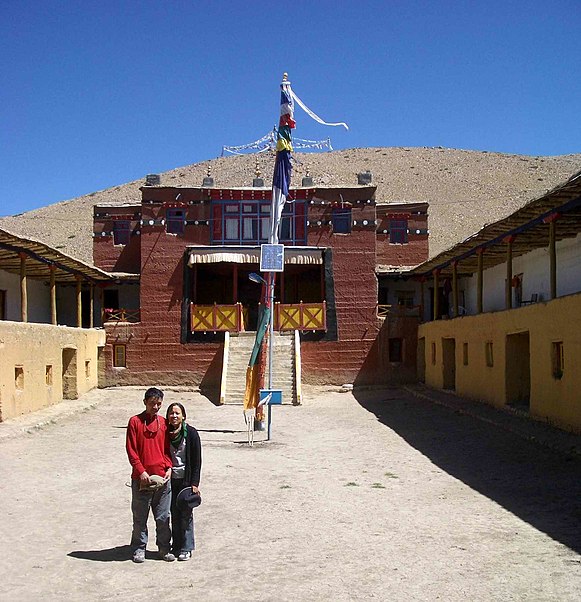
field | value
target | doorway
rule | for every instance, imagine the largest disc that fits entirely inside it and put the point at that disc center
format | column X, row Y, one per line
column 70, row 373
column 449, row 363
column 421, row 361
column 518, row 370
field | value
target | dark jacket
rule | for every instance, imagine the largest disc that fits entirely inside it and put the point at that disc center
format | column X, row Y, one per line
column 193, row 457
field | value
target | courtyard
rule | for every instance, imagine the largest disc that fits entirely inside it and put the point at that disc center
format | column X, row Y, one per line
column 374, row 494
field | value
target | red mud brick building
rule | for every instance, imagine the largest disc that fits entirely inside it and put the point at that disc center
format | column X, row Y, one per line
column 182, row 258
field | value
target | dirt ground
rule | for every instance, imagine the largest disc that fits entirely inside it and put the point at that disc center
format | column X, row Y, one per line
column 373, row 495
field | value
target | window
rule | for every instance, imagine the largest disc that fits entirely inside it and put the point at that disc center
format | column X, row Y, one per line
column 465, row 354
column 248, row 222
column 2, row 305
column 19, row 378
column 121, row 232
column 87, row 369
column 433, row 354
column 405, row 298
column 395, row 350
column 119, row 356
column 398, row 231
column 341, row 219
column 489, row 352
column 558, row 360
column 174, row 221
column 48, row 375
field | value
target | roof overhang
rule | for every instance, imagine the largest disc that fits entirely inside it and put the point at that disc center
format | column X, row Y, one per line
column 41, row 258
column 526, row 229
column 292, row 255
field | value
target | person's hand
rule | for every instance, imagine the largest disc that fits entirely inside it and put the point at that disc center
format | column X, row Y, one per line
column 144, row 479
column 168, row 474
column 195, row 489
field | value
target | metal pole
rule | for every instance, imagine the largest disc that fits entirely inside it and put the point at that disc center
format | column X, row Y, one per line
column 271, row 277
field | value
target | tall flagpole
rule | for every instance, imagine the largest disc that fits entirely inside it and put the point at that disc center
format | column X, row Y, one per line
column 280, row 186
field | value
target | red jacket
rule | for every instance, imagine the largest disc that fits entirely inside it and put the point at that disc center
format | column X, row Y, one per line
column 147, row 446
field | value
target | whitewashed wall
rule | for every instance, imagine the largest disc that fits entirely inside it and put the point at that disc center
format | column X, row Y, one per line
column 535, row 270
column 38, row 298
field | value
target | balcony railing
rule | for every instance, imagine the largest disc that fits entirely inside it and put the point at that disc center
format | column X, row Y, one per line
column 300, row 316
column 216, row 318
column 121, row 315
column 412, row 311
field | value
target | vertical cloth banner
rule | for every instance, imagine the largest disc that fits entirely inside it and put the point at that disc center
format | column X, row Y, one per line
column 252, row 392
column 282, row 166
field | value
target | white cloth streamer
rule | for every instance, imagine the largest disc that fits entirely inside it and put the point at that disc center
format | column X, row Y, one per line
column 311, row 114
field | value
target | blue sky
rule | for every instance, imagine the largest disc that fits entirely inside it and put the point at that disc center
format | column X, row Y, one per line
column 96, row 94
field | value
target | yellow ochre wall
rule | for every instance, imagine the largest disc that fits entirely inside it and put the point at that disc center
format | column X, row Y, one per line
column 28, row 349
column 557, row 400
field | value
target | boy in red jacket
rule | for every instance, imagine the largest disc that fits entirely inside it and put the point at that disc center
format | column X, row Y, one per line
column 148, row 452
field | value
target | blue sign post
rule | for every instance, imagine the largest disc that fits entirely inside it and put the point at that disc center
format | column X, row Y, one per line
column 269, row 397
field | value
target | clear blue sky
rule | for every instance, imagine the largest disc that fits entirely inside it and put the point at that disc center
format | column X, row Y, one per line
column 99, row 93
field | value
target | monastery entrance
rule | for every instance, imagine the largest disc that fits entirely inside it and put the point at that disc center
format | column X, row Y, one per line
column 518, row 370
column 224, row 297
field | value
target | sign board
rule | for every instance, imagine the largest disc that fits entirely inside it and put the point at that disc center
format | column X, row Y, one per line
column 272, row 258
column 270, row 397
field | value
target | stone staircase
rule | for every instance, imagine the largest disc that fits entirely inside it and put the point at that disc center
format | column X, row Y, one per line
column 282, row 366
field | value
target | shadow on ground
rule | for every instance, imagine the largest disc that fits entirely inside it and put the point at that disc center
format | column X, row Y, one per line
column 118, row 554
column 536, row 484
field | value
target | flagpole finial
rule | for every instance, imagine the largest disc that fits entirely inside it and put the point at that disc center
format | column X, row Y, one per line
column 285, row 77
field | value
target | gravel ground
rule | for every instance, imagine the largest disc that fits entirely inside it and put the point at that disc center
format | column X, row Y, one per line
column 372, row 495
column 466, row 189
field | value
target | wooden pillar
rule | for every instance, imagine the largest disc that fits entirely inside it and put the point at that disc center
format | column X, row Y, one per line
column 53, row 318
column 436, row 295
column 23, row 289
column 553, row 258
column 235, row 283
column 91, row 304
column 79, row 304
column 422, row 298
column 101, row 301
column 508, row 288
column 479, row 304
column 455, row 297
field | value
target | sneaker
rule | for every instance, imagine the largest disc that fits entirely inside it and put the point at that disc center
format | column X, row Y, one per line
column 167, row 556
column 184, row 556
column 139, row 556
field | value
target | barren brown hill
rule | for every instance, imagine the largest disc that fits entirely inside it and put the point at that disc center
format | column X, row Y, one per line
column 465, row 189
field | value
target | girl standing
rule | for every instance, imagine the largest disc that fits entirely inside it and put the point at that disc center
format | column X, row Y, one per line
column 186, row 455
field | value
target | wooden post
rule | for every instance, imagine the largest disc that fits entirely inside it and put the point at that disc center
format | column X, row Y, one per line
column 235, row 284
column 479, row 304
column 455, row 288
column 508, row 288
column 53, row 318
column 79, row 304
column 422, row 298
column 436, row 295
column 553, row 258
column 23, row 289
column 91, row 304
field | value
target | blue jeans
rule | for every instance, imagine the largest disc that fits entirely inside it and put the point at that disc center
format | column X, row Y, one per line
column 159, row 502
column 182, row 521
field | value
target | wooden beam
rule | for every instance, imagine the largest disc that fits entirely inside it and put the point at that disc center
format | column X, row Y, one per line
column 53, row 318
column 436, row 295
column 91, row 304
column 23, row 289
column 455, row 288
column 480, row 281
column 553, row 259
column 508, row 285
column 79, row 304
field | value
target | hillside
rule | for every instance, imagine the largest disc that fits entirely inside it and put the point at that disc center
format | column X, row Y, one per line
column 465, row 189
